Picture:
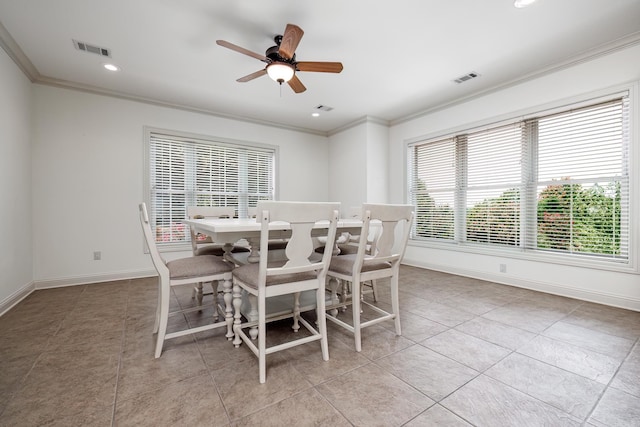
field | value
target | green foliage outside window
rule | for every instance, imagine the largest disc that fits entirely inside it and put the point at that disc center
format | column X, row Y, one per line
column 570, row 218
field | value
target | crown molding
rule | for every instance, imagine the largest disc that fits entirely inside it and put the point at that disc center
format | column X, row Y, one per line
column 17, row 55
column 597, row 52
column 358, row 122
column 47, row 81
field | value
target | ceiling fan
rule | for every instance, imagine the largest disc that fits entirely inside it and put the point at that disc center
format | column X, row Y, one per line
column 281, row 60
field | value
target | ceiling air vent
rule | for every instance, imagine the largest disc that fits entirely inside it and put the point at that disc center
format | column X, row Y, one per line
column 469, row 76
column 86, row 47
column 323, row 107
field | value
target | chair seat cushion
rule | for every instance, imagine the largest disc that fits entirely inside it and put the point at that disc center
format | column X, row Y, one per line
column 277, row 244
column 343, row 264
column 218, row 251
column 344, row 249
column 197, row 266
column 248, row 274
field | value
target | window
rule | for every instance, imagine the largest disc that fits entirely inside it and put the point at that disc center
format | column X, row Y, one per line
column 557, row 184
column 184, row 170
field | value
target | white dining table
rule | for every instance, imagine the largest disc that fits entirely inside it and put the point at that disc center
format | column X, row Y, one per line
column 228, row 231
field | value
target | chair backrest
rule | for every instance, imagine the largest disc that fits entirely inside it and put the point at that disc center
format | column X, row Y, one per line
column 301, row 217
column 157, row 259
column 389, row 227
column 206, row 212
column 211, row 211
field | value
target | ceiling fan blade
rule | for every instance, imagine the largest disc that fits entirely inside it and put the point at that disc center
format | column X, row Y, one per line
column 319, row 67
column 252, row 76
column 296, row 84
column 290, row 40
column 237, row 48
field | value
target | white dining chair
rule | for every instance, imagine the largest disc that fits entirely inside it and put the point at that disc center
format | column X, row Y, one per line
column 185, row 271
column 301, row 270
column 202, row 244
column 376, row 259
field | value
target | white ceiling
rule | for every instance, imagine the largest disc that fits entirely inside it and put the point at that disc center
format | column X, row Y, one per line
column 400, row 57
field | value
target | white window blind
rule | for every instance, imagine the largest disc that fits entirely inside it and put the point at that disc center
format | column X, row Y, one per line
column 432, row 189
column 494, row 182
column 555, row 183
column 186, row 171
column 582, row 182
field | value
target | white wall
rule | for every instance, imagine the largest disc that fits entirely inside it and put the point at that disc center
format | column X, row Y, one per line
column 347, row 165
column 88, row 178
column 615, row 288
column 359, row 164
column 16, row 252
column 377, row 175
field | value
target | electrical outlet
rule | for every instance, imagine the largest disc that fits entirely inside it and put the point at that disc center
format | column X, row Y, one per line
column 503, row 268
column 97, row 256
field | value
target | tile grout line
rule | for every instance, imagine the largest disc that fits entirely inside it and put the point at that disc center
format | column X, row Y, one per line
column 613, row 377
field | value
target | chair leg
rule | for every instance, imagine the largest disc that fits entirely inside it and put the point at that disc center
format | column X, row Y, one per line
column 374, row 287
column 322, row 323
column 395, row 302
column 156, row 324
column 262, row 339
column 164, row 319
column 253, row 315
column 355, row 298
column 296, row 311
column 214, row 289
column 198, row 293
column 237, row 303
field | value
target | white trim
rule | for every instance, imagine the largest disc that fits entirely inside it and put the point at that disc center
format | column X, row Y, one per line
column 613, row 300
column 13, row 299
column 93, row 278
column 358, row 122
column 17, row 55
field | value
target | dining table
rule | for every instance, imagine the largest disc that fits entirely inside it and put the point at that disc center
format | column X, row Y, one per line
column 230, row 231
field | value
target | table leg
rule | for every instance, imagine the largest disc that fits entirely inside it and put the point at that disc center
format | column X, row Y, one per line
column 296, row 311
column 228, row 309
column 254, row 245
column 333, row 286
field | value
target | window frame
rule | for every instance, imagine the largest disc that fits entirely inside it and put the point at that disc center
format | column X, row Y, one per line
column 206, row 139
column 630, row 265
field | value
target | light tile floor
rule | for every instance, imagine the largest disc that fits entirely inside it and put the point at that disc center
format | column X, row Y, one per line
column 472, row 353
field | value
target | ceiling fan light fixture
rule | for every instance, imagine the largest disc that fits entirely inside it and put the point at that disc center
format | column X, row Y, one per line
column 280, row 72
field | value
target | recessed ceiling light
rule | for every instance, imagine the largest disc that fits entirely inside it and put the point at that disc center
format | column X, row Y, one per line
column 523, row 3
column 111, row 67
column 315, row 114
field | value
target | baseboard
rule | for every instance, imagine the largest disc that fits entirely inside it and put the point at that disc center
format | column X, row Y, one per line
column 16, row 297
column 93, row 278
column 551, row 288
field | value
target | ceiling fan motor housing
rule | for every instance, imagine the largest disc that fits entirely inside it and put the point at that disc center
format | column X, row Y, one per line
column 272, row 54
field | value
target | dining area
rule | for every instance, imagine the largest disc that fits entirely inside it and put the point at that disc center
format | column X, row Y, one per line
column 289, row 262
column 472, row 352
